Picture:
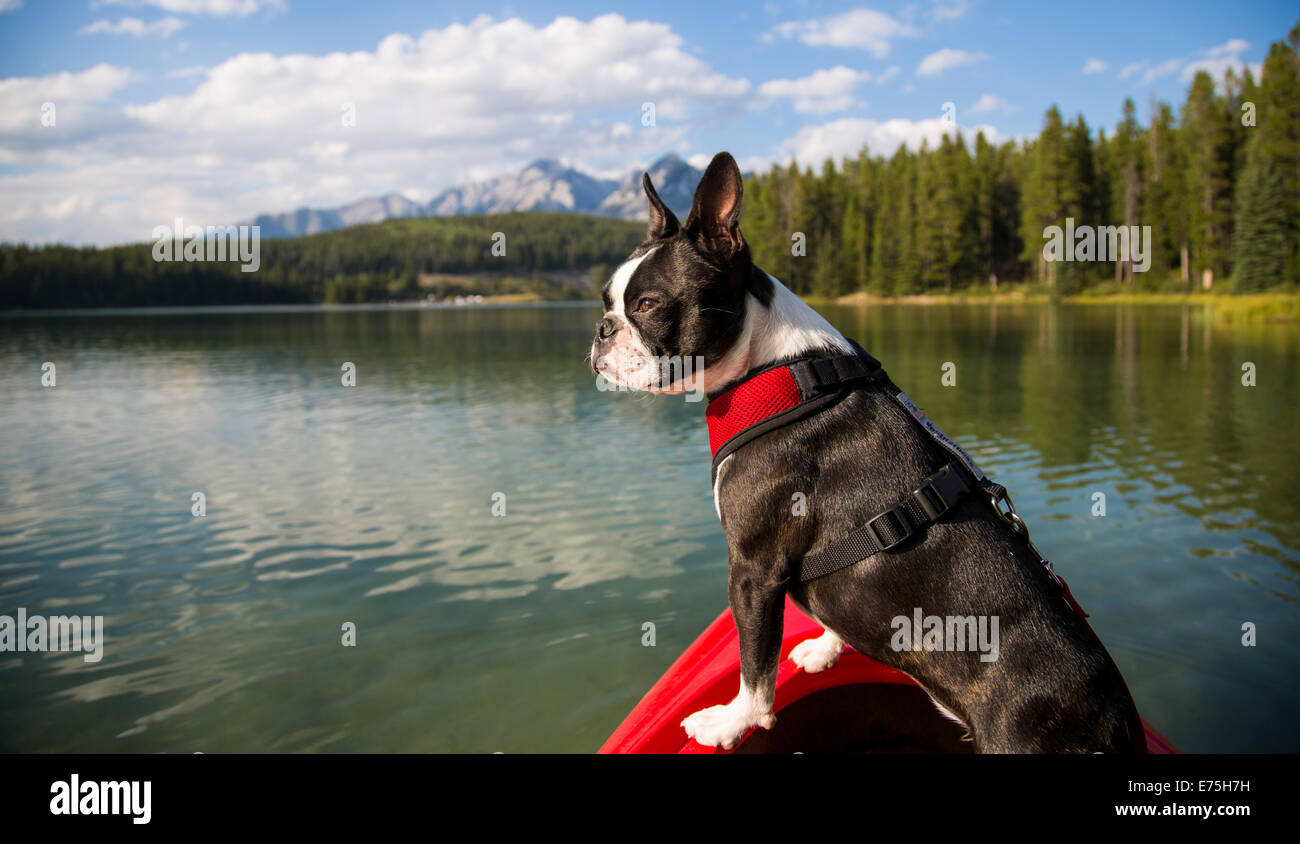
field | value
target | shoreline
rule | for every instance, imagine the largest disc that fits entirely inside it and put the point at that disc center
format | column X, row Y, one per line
column 1038, row 298
column 1278, row 306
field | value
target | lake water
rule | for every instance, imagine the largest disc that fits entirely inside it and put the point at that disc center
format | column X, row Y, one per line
column 475, row 632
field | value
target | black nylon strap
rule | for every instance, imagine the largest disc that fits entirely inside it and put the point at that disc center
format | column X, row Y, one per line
column 819, row 375
column 938, row 494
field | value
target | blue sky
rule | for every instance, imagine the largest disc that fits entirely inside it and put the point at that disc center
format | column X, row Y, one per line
column 214, row 110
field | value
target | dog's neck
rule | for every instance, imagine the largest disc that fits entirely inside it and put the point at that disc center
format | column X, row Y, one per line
column 784, row 328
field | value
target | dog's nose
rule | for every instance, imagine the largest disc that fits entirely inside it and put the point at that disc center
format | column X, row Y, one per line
column 608, row 328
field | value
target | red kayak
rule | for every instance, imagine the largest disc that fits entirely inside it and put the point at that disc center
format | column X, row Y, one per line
column 858, row 706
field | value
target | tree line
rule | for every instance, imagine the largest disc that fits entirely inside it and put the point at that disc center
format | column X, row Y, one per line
column 543, row 253
column 1218, row 183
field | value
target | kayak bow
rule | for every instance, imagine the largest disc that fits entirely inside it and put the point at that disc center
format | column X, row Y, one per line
column 860, row 705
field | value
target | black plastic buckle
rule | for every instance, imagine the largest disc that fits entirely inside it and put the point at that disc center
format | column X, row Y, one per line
column 931, row 500
column 904, row 523
column 940, row 492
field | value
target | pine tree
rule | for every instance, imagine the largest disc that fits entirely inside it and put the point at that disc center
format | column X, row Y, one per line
column 1261, row 251
column 907, row 268
column 1275, row 146
column 1166, row 196
column 1079, row 190
column 932, row 192
column 826, row 220
column 957, row 215
column 986, row 177
column 856, row 229
column 1210, row 154
column 1044, row 201
column 1127, row 180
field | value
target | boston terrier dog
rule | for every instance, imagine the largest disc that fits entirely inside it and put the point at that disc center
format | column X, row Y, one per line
column 691, row 291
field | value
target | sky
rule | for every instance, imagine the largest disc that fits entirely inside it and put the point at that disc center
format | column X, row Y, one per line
column 117, row 116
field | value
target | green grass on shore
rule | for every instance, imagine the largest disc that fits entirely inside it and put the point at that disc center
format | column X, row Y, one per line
column 1274, row 306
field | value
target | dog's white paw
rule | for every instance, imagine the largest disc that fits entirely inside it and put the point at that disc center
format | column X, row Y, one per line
column 814, row 655
column 724, row 726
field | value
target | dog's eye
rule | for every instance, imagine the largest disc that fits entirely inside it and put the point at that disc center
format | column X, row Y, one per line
column 646, row 304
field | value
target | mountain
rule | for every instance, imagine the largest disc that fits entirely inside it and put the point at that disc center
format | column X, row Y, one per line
column 675, row 182
column 377, row 208
column 544, row 185
column 311, row 221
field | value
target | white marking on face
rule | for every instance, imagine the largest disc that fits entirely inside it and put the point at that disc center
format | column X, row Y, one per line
column 619, row 280
column 626, row 362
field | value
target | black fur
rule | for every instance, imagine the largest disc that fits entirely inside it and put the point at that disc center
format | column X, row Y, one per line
column 1052, row 689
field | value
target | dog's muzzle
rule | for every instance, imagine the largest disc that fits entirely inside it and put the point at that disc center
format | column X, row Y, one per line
column 606, row 330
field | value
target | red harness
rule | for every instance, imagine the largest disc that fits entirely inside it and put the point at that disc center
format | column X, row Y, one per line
column 769, row 398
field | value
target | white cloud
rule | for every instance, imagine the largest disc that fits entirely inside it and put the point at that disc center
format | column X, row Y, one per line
column 950, row 10
column 10, row 5
column 1216, row 68
column 845, row 137
column 1165, row 68
column 1219, row 59
column 700, row 160
column 220, row 8
column 261, row 132
column 865, row 29
column 1215, row 60
column 1132, row 68
column 187, row 72
column 820, row 93
column 990, row 103
column 1094, row 66
column 1231, row 47
column 163, row 27
column 887, row 74
column 1152, row 73
column 947, row 59
column 74, row 95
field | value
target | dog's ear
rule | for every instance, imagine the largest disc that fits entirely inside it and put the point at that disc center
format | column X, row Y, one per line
column 714, row 220
column 663, row 222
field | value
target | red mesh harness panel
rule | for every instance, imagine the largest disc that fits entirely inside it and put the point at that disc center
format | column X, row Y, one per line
column 750, row 402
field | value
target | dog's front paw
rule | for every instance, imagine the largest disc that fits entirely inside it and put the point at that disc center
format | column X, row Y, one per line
column 724, row 726
column 814, row 655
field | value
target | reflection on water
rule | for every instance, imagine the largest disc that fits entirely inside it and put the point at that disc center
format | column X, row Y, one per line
column 522, row 632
